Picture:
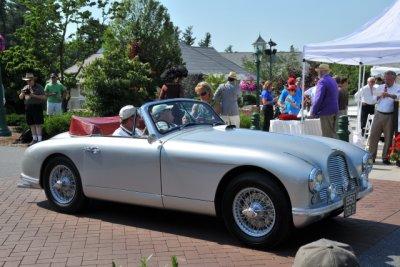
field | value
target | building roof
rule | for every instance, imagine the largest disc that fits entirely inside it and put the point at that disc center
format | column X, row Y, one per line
column 239, row 57
column 75, row 68
column 207, row 60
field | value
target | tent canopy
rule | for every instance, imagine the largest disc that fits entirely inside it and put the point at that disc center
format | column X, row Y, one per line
column 377, row 42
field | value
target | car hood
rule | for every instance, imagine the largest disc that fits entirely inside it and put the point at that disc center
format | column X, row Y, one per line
column 302, row 147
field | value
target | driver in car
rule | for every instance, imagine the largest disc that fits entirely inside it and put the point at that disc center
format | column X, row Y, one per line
column 127, row 117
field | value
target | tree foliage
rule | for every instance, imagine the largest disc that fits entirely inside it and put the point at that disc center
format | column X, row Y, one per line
column 115, row 81
column 146, row 25
column 37, row 41
column 206, row 42
column 187, row 36
column 229, row 49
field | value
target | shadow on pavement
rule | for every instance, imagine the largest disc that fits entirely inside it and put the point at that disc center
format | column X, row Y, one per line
column 360, row 234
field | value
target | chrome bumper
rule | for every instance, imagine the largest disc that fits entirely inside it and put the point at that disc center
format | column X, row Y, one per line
column 28, row 182
column 303, row 217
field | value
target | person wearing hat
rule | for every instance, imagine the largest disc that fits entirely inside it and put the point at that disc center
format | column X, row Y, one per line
column 226, row 98
column 34, row 97
column 127, row 117
column 325, row 104
column 292, row 101
column 282, row 97
column 325, row 253
column 54, row 91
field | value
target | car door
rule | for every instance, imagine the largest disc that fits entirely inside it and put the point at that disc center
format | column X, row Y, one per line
column 123, row 169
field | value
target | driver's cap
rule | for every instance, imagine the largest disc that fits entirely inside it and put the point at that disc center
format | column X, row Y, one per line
column 127, row 112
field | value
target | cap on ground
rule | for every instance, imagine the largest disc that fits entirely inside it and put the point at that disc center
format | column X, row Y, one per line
column 325, row 253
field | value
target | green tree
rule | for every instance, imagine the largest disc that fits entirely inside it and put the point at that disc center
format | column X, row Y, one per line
column 145, row 26
column 187, row 36
column 229, row 49
column 206, row 42
column 114, row 81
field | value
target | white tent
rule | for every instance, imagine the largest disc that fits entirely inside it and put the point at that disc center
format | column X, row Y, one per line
column 380, row 71
column 376, row 43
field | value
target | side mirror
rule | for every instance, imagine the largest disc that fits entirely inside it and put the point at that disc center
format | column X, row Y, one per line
column 151, row 138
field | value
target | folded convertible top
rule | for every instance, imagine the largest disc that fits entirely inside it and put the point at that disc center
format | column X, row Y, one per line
column 83, row 126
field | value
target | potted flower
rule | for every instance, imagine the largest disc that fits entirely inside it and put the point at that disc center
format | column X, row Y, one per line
column 394, row 151
column 248, row 87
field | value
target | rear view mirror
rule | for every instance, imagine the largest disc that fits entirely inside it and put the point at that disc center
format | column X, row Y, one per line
column 151, row 138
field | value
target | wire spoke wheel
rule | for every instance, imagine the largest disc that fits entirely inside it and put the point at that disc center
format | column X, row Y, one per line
column 253, row 212
column 62, row 184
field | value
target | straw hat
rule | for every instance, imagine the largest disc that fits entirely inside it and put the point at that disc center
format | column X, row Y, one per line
column 323, row 67
column 28, row 77
column 232, row 75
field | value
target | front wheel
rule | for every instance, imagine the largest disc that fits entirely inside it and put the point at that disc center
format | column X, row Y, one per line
column 63, row 186
column 256, row 210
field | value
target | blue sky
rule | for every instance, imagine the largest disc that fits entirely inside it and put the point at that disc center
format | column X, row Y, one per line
column 297, row 22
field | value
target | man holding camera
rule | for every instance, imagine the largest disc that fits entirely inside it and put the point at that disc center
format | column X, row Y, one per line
column 33, row 96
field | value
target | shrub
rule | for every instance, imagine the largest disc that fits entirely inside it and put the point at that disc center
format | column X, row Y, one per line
column 114, row 81
column 249, row 99
column 56, row 124
column 15, row 119
column 214, row 80
column 245, row 121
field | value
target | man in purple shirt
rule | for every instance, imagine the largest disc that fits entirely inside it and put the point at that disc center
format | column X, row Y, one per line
column 325, row 105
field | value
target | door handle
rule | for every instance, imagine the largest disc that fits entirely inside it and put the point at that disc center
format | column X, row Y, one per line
column 92, row 149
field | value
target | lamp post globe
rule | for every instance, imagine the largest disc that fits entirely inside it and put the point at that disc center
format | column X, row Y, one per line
column 4, row 131
column 259, row 48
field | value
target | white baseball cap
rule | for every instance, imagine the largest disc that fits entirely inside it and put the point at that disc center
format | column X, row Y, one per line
column 127, row 112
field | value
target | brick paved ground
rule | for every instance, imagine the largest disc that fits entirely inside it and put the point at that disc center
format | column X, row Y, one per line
column 32, row 234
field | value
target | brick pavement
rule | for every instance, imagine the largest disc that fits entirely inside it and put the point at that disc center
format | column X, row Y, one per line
column 31, row 234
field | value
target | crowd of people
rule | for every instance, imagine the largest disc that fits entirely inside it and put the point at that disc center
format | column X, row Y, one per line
column 326, row 100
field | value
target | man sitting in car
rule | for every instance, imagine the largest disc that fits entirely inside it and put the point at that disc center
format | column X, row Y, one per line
column 127, row 117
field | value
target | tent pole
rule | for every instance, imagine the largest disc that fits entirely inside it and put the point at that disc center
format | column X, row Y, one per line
column 359, row 102
column 303, row 82
column 363, row 77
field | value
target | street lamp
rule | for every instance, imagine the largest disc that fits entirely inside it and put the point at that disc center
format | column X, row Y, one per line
column 271, row 51
column 259, row 48
column 4, row 131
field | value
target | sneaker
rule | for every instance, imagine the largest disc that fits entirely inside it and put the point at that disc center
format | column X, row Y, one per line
column 386, row 161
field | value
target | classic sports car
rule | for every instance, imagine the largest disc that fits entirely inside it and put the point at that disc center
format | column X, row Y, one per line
column 260, row 183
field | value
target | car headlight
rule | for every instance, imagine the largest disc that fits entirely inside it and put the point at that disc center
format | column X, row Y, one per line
column 315, row 180
column 367, row 163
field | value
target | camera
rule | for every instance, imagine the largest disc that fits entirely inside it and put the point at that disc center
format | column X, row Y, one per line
column 26, row 91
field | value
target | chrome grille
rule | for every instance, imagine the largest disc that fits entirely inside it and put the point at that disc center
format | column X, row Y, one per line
column 339, row 174
column 323, row 195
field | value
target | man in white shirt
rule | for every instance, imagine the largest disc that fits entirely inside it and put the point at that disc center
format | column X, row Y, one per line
column 385, row 95
column 127, row 116
column 368, row 101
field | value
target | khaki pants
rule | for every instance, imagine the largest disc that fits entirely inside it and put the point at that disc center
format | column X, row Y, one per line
column 382, row 123
column 328, row 125
column 232, row 120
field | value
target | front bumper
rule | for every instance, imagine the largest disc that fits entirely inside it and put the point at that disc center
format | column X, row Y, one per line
column 28, row 182
column 303, row 217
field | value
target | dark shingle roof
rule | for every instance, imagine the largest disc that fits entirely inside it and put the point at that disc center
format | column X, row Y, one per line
column 207, row 60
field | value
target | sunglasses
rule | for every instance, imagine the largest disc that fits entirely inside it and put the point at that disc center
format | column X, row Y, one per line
column 203, row 93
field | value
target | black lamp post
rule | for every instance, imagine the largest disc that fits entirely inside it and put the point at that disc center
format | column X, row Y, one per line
column 271, row 51
column 259, row 48
column 4, row 131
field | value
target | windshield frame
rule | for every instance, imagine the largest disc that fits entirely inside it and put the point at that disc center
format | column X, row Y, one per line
column 181, row 102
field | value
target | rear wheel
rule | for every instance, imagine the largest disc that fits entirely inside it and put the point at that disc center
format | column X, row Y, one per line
column 256, row 210
column 63, row 186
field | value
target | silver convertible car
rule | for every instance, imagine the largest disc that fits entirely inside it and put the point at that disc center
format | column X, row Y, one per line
column 185, row 158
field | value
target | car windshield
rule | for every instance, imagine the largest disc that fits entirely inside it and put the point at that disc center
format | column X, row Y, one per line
column 171, row 116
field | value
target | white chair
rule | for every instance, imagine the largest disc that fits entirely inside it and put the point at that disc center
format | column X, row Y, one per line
column 368, row 125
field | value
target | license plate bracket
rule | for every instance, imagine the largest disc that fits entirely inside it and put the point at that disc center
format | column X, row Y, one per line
column 349, row 204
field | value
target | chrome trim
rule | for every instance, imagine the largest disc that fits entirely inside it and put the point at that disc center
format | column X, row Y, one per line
column 305, row 216
column 28, row 182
